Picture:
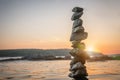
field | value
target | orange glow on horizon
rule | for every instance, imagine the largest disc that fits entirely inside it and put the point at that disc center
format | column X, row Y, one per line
column 106, row 49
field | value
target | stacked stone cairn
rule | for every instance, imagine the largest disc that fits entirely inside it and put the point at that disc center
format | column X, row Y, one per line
column 77, row 67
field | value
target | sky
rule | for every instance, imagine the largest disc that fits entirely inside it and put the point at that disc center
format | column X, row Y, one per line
column 46, row 24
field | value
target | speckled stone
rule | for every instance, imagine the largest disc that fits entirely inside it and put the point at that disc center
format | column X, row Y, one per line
column 76, row 15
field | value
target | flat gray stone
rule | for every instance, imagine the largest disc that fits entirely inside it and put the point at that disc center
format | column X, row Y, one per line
column 77, row 9
column 77, row 22
column 81, row 72
column 76, row 66
column 78, row 73
column 74, row 52
column 77, row 59
column 78, row 36
column 79, row 45
column 78, row 29
column 77, row 52
column 76, row 15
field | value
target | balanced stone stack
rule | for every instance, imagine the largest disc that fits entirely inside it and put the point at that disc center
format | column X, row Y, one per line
column 77, row 67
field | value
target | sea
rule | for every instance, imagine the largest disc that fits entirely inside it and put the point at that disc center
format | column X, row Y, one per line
column 57, row 70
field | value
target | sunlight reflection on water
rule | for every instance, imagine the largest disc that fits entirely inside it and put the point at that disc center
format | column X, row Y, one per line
column 56, row 70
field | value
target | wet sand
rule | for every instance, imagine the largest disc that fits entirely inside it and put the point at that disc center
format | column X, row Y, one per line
column 56, row 70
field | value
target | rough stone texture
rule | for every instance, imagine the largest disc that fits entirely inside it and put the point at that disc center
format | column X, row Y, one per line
column 77, row 59
column 76, row 44
column 76, row 15
column 77, row 66
column 78, row 36
column 81, row 57
column 77, row 9
column 78, row 29
column 77, row 22
column 78, row 73
column 76, row 52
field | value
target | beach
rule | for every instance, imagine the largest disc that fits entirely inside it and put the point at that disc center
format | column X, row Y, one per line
column 56, row 70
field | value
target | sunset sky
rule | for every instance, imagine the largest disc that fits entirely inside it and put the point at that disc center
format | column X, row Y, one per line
column 46, row 24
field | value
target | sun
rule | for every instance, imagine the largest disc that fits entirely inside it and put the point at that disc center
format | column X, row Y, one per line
column 90, row 48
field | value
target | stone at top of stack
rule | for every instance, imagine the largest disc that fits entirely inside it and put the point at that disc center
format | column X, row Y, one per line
column 78, row 33
column 77, row 9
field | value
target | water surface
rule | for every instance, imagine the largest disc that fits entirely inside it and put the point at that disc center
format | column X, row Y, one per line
column 56, row 70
